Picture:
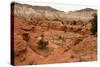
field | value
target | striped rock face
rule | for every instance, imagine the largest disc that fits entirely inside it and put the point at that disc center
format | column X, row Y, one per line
column 67, row 33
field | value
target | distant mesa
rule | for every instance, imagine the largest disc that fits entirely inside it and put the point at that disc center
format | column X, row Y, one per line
column 86, row 9
column 49, row 13
column 37, row 7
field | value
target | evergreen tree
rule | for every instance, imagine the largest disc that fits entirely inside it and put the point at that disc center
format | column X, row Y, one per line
column 94, row 24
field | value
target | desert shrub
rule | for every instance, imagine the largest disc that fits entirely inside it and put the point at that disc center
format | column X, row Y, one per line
column 65, row 29
column 94, row 24
column 25, row 36
column 60, row 37
column 42, row 43
column 72, row 56
column 55, row 19
column 74, row 22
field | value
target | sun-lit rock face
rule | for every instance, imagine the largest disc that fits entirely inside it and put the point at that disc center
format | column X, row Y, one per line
column 67, row 33
column 49, row 13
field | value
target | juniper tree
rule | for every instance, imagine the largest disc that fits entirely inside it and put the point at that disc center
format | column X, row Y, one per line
column 94, row 24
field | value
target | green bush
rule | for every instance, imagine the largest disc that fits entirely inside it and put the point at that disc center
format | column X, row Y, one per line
column 94, row 24
column 42, row 44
